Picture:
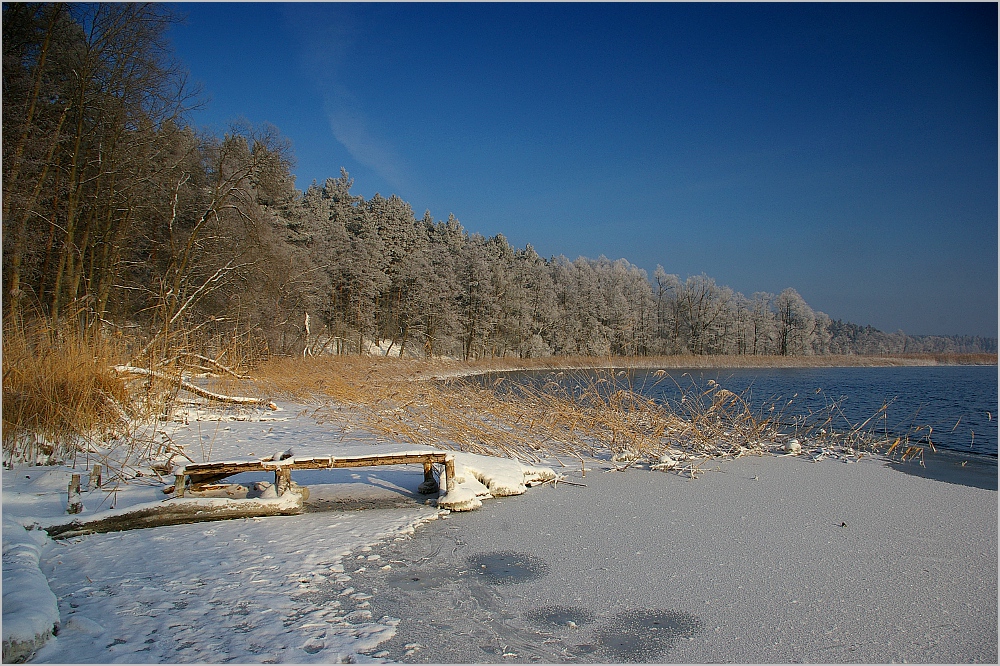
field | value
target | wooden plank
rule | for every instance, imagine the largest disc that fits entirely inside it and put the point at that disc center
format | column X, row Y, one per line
column 213, row 472
column 316, row 462
column 389, row 459
column 226, row 467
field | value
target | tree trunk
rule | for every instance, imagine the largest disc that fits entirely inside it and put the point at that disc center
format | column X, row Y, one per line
column 32, row 104
column 21, row 233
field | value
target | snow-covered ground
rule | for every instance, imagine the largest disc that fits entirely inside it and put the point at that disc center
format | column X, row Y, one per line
column 766, row 558
column 245, row 590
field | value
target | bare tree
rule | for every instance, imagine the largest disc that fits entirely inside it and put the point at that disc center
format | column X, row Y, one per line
column 208, row 238
column 103, row 89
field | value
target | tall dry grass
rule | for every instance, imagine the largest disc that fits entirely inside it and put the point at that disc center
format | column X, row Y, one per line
column 571, row 414
column 64, row 402
column 58, row 388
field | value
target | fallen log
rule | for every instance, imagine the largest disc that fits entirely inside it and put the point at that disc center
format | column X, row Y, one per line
column 177, row 511
column 191, row 388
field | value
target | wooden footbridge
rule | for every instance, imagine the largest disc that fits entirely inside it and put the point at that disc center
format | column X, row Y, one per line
column 196, row 476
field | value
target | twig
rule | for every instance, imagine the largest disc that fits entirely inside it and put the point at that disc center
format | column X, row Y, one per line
column 205, row 360
column 557, row 480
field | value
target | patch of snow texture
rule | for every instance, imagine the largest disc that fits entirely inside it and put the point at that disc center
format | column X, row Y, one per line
column 251, row 589
column 461, row 498
column 501, row 476
column 481, row 477
column 666, row 462
column 30, row 611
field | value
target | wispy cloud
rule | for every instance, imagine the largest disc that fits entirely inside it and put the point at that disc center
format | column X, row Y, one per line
column 351, row 127
column 327, row 32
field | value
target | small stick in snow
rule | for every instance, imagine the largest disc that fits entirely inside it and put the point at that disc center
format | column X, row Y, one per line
column 561, row 479
column 622, row 469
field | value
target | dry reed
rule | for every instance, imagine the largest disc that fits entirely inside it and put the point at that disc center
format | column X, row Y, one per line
column 60, row 396
column 570, row 414
column 58, row 389
column 64, row 402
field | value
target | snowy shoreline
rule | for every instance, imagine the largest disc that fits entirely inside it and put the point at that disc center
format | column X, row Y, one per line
column 296, row 588
column 348, row 511
column 556, row 363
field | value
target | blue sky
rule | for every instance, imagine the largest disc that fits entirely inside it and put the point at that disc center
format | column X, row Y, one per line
column 846, row 150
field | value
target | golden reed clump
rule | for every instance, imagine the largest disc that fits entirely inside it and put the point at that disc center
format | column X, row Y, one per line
column 57, row 388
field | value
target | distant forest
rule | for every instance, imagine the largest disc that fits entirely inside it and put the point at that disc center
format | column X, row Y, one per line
column 120, row 218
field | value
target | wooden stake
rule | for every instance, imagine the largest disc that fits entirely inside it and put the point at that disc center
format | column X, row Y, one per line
column 449, row 470
column 430, row 485
column 95, row 477
column 73, row 502
column 282, row 479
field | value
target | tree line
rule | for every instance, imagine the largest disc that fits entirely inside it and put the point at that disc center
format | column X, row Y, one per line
column 119, row 217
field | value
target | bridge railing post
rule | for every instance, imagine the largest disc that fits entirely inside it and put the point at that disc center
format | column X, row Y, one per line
column 449, row 470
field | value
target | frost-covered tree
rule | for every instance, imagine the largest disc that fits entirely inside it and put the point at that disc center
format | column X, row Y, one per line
column 740, row 337
column 539, row 313
column 630, row 308
column 821, row 334
column 762, row 324
column 668, row 319
column 796, row 324
column 703, row 310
